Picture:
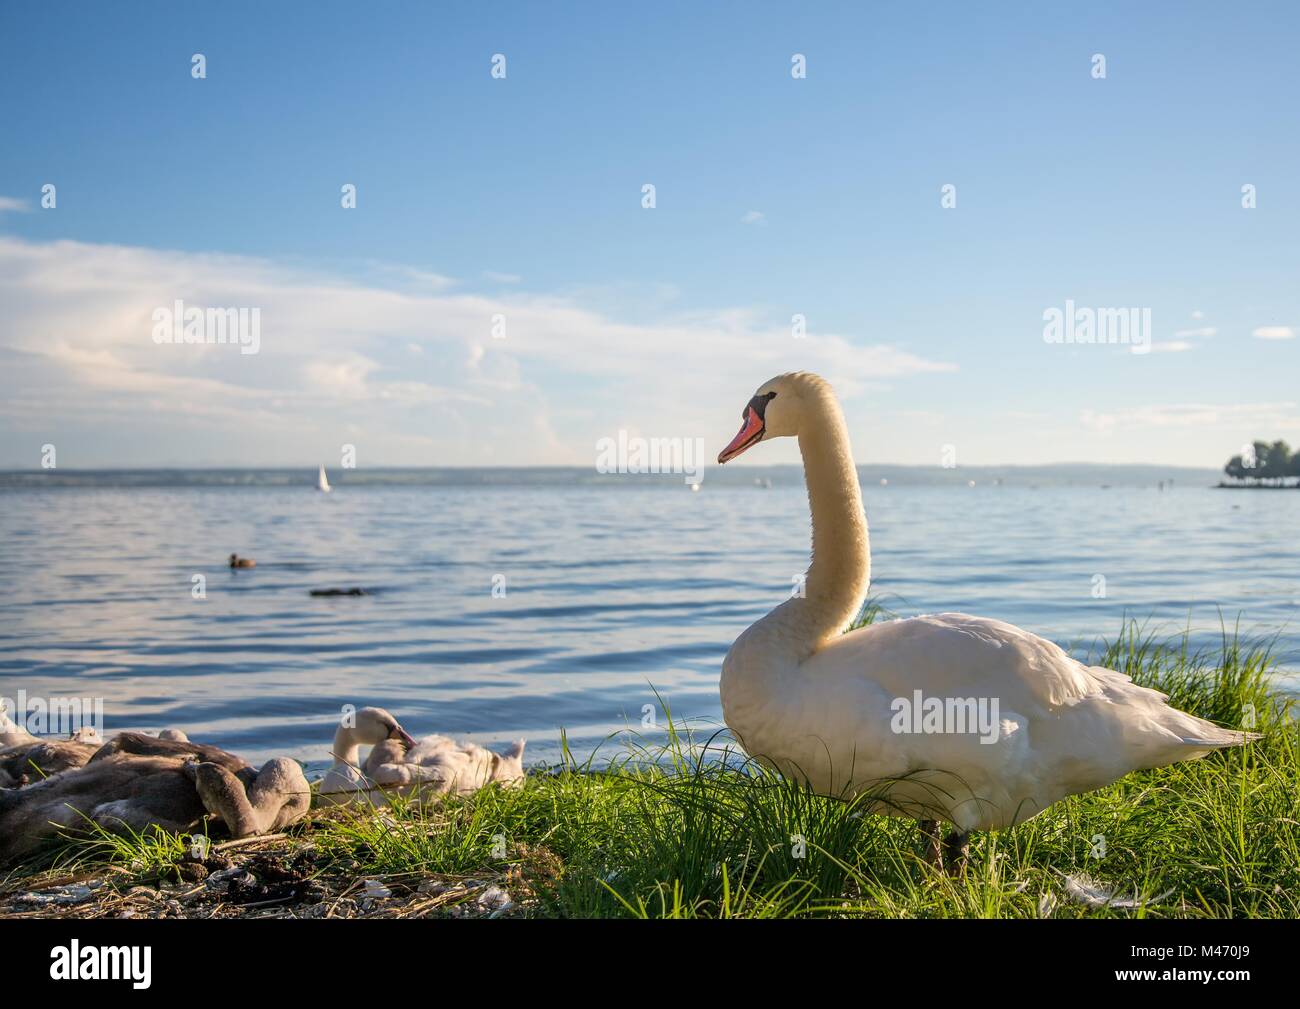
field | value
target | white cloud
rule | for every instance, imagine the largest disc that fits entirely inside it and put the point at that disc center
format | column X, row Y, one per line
column 1170, row 346
column 340, row 354
column 1203, row 332
column 1274, row 333
column 9, row 204
column 1254, row 416
column 753, row 217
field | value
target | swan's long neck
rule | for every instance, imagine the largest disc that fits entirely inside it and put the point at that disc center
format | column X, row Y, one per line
column 837, row 580
column 841, row 555
column 347, row 748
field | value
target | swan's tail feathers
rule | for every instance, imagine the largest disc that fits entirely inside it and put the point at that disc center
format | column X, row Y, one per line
column 1197, row 737
column 1221, row 738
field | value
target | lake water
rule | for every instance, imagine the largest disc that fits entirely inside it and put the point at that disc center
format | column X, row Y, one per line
column 611, row 593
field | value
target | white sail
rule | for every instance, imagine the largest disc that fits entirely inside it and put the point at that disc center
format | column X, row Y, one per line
column 322, row 482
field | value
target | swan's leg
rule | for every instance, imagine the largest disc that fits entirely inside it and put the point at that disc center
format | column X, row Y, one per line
column 956, row 851
column 930, row 837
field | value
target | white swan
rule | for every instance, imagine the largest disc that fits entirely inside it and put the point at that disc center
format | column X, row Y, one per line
column 346, row 780
column 838, row 710
column 436, row 765
column 400, row 765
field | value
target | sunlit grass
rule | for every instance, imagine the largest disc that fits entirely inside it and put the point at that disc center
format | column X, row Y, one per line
column 149, row 852
column 679, row 824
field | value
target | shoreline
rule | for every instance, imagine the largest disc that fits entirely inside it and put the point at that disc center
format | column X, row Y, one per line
column 665, row 833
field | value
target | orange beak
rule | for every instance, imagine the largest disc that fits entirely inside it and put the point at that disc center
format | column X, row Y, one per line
column 751, row 433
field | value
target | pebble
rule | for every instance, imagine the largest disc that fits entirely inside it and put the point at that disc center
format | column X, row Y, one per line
column 62, row 895
column 376, row 890
column 494, row 897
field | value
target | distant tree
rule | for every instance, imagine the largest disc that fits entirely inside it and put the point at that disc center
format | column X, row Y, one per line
column 1259, row 450
column 1277, row 461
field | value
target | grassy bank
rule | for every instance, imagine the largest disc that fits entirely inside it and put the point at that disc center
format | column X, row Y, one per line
column 682, row 828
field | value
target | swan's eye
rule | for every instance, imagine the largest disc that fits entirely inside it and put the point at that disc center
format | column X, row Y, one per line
column 759, row 405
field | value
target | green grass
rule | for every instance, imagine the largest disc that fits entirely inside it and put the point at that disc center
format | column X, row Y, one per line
column 683, row 827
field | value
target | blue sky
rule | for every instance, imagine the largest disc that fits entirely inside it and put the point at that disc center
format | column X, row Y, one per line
column 522, row 197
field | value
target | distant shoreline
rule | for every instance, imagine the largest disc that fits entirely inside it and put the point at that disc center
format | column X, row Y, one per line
column 878, row 475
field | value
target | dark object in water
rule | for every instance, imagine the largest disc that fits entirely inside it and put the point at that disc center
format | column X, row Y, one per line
column 242, row 562
column 339, row 592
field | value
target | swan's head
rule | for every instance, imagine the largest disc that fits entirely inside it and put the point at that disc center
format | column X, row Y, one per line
column 374, row 725
column 775, row 411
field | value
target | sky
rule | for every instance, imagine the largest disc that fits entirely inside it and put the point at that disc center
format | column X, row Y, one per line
column 500, row 294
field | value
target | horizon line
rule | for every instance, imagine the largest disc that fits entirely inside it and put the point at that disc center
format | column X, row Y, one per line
column 215, row 467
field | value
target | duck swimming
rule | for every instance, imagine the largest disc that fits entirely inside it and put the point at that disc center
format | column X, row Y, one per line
column 242, row 562
column 835, row 709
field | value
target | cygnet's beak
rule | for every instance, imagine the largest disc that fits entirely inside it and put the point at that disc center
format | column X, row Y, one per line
column 400, row 733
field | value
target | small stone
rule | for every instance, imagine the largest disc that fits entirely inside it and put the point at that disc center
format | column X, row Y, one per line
column 494, row 896
column 376, row 890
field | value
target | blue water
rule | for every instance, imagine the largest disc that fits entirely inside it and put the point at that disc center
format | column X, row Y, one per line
column 611, row 593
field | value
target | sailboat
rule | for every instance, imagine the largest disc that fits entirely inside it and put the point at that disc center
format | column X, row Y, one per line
column 322, row 481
